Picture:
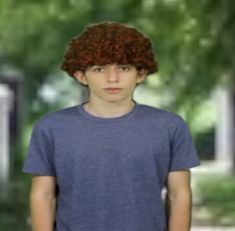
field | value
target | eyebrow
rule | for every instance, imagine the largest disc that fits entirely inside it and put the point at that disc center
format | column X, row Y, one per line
column 97, row 66
column 103, row 65
column 124, row 65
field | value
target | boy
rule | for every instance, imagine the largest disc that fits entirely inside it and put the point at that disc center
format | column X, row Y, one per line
column 102, row 165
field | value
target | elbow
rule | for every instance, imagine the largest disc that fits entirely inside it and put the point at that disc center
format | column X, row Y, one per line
column 183, row 196
column 42, row 195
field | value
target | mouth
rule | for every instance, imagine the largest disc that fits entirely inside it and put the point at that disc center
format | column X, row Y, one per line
column 113, row 90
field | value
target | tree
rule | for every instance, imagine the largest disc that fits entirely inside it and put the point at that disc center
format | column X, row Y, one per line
column 193, row 40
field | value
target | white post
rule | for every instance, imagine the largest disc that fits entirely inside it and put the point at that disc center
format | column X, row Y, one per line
column 224, row 130
column 5, row 102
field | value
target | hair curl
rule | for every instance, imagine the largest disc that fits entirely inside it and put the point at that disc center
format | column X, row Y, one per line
column 107, row 43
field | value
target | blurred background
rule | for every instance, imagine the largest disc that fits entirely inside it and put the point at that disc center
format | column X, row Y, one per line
column 194, row 42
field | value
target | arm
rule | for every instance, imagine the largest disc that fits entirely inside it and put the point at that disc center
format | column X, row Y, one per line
column 43, row 203
column 179, row 197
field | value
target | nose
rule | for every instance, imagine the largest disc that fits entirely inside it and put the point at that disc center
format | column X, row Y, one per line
column 112, row 74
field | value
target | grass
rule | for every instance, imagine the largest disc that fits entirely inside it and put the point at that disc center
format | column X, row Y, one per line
column 217, row 197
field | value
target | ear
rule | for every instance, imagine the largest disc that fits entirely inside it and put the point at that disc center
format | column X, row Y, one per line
column 79, row 75
column 142, row 74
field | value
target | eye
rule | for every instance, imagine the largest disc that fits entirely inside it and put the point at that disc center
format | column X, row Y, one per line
column 125, row 68
column 98, row 69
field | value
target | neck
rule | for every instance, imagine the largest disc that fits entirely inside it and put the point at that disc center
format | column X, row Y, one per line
column 109, row 110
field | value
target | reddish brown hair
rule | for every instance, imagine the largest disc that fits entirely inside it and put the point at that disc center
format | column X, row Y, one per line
column 107, row 43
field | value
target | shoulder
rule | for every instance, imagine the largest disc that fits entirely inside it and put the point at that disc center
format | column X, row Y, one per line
column 61, row 116
column 162, row 115
column 163, row 119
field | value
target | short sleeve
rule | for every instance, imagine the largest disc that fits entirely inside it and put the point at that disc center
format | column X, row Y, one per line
column 39, row 159
column 183, row 152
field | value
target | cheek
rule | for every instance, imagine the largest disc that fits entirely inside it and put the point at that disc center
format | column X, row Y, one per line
column 129, row 80
column 131, row 83
column 130, row 87
column 96, row 84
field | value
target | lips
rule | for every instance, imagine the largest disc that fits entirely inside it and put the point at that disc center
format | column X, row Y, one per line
column 112, row 89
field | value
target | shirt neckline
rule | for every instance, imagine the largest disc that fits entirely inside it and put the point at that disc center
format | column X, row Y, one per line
column 90, row 116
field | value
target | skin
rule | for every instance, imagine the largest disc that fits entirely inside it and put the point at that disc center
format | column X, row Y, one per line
column 43, row 203
column 106, row 105
column 97, row 78
column 179, row 200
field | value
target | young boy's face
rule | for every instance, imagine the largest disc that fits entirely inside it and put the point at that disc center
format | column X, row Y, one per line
column 111, row 83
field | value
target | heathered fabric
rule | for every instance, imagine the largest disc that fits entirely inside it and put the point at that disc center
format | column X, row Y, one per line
column 110, row 171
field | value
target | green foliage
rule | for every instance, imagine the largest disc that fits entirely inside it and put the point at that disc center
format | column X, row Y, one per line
column 217, row 195
column 36, row 32
column 15, row 208
column 194, row 42
column 209, row 45
column 193, row 39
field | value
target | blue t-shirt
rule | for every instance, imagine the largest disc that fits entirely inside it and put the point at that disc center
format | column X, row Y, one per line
column 110, row 172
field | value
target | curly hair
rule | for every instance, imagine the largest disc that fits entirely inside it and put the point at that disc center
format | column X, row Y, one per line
column 107, row 43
